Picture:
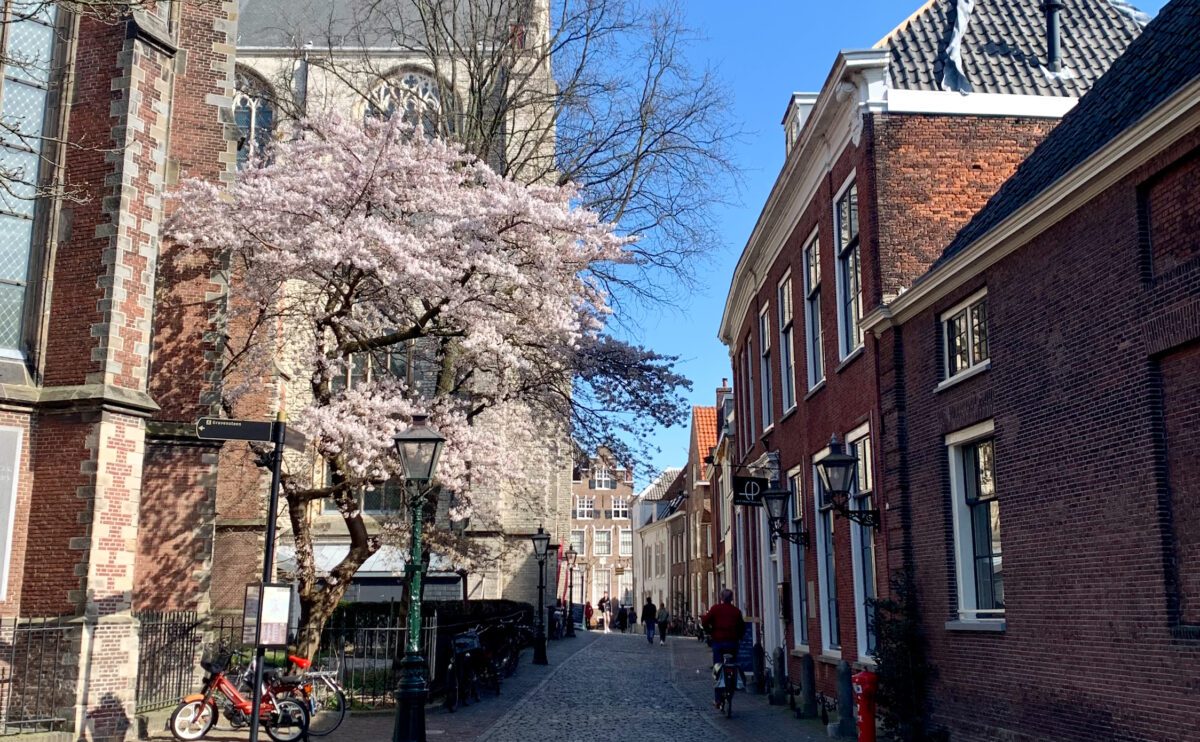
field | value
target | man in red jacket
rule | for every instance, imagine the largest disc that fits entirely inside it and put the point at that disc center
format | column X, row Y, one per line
column 725, row 626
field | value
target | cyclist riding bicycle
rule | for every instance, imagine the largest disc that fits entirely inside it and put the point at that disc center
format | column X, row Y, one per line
column 725, row 626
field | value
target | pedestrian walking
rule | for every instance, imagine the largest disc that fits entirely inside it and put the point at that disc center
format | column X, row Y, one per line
column 603, row 606
column 633, row 618
column 648, row 618
column 622, row 619
column 587, row 615
column 664, row 618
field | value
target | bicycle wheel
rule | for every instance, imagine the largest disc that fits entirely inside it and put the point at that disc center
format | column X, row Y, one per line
column 288, row 721
column 327, row 710
column 192, row 720
column 728, row 704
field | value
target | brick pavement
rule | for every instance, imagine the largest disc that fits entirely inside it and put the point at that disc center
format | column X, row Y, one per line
column 596, row 685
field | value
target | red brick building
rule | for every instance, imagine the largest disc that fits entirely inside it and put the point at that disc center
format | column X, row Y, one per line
column 698, row 510
column 903, row 143
column 105, row 340
column 1040, row 392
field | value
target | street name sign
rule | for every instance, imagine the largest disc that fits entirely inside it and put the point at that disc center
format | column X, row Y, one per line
column 221, row 429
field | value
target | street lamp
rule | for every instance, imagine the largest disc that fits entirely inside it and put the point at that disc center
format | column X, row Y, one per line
column 837, row 471
column 541, row 542
column 418, row 448
column 572, row 557
column 776, row 501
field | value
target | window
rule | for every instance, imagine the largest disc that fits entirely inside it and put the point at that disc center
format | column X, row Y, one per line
column 24, row 98
column 602, row 479
column 254, row 116
column 812, row 312
column 862, row 541
column 602, row 542
column 764, row 368
column 976, row 509
column 363, row 368
column 10, row 468
column 585, row 507
column 620, row 508
column 965, row 331
column 578, row 541
column 415, row 95
column 600, row 584
column 660, row 559
column 749, row 351
column 382, row 498
column 647, row 562
column 799, row 571
column 626, row 542
column 787, row 362
column 849, row 266
column 831, row 638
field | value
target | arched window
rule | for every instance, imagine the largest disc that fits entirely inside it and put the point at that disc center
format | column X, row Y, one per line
column 415, row 95
column 29, row 41
column 255, row 116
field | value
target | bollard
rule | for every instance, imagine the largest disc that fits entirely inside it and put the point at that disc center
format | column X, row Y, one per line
column 779, row 678
column 808, row 689
column 760, row 669
column 845, row 704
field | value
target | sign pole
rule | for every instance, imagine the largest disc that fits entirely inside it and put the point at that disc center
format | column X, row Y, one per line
column 278, row 436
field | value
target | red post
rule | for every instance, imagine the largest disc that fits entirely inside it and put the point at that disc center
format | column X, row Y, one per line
column 866, row 683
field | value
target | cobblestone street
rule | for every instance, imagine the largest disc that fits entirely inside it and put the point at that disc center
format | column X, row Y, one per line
column 597, row 685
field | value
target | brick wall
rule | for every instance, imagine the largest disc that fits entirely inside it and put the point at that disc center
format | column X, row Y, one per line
column 1092, row 371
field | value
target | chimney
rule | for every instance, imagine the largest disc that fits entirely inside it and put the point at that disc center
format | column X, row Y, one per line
column 1053, row 42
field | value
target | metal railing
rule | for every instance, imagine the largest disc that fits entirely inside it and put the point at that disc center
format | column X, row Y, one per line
column 364, row 654
column 169, row 644
column 37, row 677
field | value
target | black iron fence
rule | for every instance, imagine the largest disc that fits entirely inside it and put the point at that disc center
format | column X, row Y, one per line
column 169, row 645
column 364, row 652
column 37, row 674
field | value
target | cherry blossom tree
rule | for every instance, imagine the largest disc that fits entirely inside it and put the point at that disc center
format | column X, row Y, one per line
column 359, row 242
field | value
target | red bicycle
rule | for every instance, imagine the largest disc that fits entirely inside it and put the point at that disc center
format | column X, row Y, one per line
column 285, row 719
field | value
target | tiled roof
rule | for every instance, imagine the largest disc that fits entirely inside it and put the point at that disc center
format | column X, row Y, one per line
column 704, row 426
column 1164, row 59
column 1004, row 46
column 658, row 488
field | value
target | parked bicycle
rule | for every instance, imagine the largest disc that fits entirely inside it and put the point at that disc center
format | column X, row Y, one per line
column 319, row 691
column 462, row 678
column 284, row 718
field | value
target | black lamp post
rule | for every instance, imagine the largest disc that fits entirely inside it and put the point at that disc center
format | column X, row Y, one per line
column 418, row 448
column 572, row 557
column 837, row 479
column 776, row 501
column 541, row 542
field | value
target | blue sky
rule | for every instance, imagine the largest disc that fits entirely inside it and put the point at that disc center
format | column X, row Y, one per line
column 764, row 50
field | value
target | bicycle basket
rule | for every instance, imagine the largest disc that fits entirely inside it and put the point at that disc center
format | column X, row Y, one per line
column 466, row 642
column 216, row 660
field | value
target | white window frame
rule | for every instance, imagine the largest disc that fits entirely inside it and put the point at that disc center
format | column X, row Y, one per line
column 840, row 252
column 799, row 569
column 974, row 365
column 596, row 550
column 862, row 538
column 764, row 368
column 582, row 532
column 749, row 392
column 822, row 529
column 603, row 479
column 584, row 502
column 621, row 550
column 964, row 553
column 787, row 342
column 813, row 349
column 620, row 508
column 8, row 509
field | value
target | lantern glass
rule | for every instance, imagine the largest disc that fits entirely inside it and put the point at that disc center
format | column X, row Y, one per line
column 572, row 557
column 541, row 542
column 837, row 471
column 776, row 501
column 419, row 448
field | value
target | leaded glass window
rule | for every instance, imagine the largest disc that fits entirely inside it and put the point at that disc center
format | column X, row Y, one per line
column 849, row 271
column 255, row 117
column 29, row 39
column 965, row 329
column 415, row 96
